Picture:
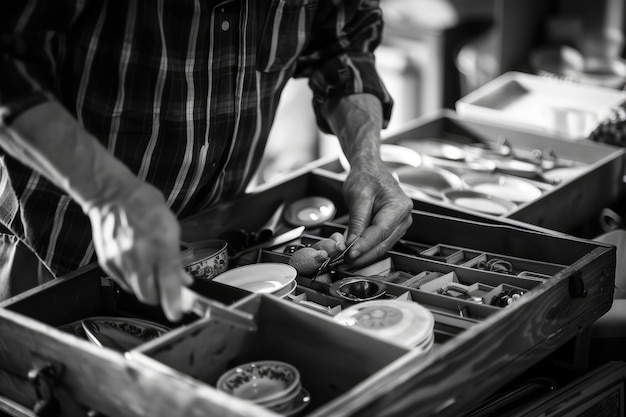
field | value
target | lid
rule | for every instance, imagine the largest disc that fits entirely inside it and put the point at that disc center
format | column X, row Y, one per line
column 267, row 277
column 403, row 322
column 513, row 189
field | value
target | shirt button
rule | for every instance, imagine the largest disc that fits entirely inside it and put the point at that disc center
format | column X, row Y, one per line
column 225, row 25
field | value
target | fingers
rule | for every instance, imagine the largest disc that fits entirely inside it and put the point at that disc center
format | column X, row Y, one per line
column 375, row 242
column 380, row 213
column 140, row 251
column 170, row 278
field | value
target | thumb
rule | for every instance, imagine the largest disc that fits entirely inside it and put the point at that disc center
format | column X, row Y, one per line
column 360, row 217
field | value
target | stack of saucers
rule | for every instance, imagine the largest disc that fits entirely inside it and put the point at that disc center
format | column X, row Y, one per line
column 274, row 278
column 271, row 384
column 405, row 323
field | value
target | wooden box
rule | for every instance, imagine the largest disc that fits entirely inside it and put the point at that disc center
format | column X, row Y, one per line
column 566, row 206
column 478, row 346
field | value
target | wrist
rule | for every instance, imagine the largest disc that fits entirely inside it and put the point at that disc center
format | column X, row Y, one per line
column 50, row 140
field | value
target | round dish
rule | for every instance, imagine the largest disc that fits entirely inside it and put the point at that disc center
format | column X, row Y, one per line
column 141, row 329
column 263, row 382
column 205, row 259
column 403, row 322
column 294, row 406
column 565, row 174
column 268, row 277
column 479, row 202
column 284, row 292
column 357, row 289
column 310, row 211
column 512, row 189
column 428, row 179
column 439, row 148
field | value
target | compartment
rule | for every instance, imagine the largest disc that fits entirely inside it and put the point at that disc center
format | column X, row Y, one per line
column 348, row 373
column 331, row 358
column 584, row 165
column 531, row 102
column 91, row 297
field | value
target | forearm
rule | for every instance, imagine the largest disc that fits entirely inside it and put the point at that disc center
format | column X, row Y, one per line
column 48, row 139
column 356, row 120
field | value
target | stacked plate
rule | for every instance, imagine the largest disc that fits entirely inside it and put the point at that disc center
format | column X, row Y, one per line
column 405, row 323
column 272, row 384
column 274, row 278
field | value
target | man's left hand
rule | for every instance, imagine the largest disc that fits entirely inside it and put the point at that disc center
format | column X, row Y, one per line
column 380, row 212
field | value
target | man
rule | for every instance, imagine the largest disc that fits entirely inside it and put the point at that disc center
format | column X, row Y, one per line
column 120, row 117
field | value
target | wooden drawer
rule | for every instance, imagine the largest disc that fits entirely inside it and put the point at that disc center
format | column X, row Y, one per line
column 478, row 347
column 598, row 184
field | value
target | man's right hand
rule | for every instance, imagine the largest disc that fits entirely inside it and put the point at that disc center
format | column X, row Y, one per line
column 135, row 234
column 137, row 240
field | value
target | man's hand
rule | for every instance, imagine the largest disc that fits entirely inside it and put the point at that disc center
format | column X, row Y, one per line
column 137, row 240
column 135, row 234
column 380, row 212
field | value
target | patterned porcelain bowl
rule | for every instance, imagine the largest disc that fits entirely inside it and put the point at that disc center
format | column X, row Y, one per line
column 267, row 383
column 205, row 259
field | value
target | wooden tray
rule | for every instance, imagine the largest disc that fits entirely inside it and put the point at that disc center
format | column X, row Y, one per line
column 564, row 207
column 348, row 373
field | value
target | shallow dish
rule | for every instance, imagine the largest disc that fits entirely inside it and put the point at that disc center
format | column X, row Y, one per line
column 205, row 259
column 262, row 382
column 268, row 277
column 403, row 322
column 284, row 292
column 428, row 179
column 480, row 202
column 310, row 211
column 512, row 189
column 295, row 405
column 357, row 289
column 115, row 331
column 437, row 148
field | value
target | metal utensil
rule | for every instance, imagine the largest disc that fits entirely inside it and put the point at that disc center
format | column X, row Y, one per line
column 104, row 335
column 334, row 261
column 279, row 239
column 202, row 306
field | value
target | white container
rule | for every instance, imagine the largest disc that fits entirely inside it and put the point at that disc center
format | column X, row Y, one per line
column 546, row 105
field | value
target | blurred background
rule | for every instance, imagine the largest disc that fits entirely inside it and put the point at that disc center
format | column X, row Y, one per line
column 436, row 51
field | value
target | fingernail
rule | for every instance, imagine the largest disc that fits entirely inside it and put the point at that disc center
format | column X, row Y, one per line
column 354, row 254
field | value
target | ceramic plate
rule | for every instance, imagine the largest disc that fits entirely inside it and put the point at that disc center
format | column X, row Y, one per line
column 438, row 148
column 428, row 179
column 141, row 329
column 310, row 211
column 284, row 292
column 262, row 382
column 565, row 174
column 268, row 277
column 512, row 189
column 483, row 203
column 295, row 406
column 404, row 322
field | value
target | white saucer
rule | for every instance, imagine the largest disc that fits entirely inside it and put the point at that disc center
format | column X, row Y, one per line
column 268, row 277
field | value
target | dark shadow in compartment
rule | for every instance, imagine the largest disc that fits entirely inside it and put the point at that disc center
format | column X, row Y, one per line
column 514, row 266
column 89, row 294
column 331, row 358
column 250, row 212
column 449, row 254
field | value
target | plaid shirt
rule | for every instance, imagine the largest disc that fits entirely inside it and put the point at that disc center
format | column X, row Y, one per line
column 182, row 91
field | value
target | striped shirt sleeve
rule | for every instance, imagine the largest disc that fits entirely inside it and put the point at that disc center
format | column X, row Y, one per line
column 339, row 60
column 26, row 50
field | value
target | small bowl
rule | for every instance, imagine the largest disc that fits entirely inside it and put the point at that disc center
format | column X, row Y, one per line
column 263, row 382
column 310, row 211
column 265, row 277
column 205, row 259
column 357, row 289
